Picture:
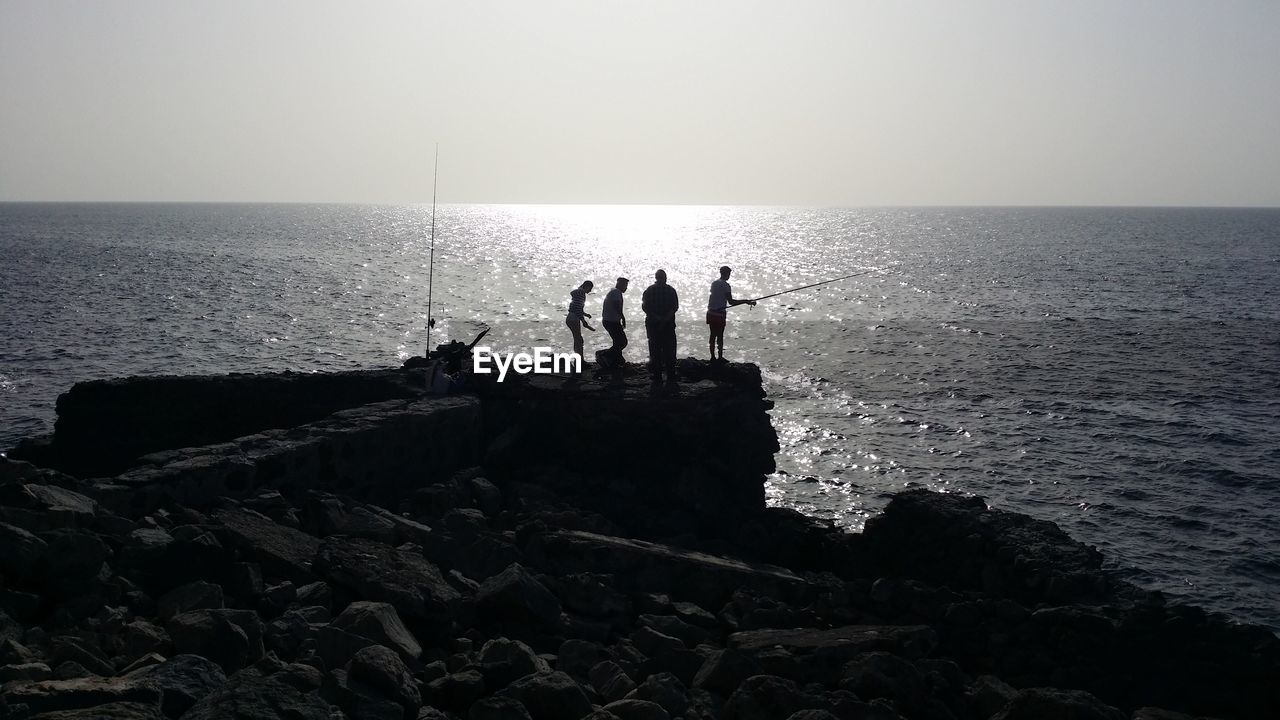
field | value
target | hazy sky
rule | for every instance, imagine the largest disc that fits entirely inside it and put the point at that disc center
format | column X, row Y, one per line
column 1113, row 102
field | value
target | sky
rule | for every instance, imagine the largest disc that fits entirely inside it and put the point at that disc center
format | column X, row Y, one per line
column 842, row 103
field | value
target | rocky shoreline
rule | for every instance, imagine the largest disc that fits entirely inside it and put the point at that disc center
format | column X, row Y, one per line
column 348, row 546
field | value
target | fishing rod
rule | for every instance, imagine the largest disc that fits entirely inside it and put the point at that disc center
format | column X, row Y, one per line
column 431, row 272
column 824, row 282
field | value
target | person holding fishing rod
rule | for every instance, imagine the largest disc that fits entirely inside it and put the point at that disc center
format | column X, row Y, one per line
column 717, row 310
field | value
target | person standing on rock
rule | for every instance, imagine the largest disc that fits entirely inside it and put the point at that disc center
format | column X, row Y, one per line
column 614, row 321
column 576, row 319
column 717, row 310
column 660, row 303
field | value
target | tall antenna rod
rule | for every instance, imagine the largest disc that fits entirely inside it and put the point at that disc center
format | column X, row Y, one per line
column 431, row 272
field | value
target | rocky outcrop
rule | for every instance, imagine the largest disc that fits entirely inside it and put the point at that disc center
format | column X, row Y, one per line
column 459, row 583
column 104, row 425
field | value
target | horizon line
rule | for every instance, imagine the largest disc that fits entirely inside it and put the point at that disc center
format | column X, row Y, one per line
column 902, row 206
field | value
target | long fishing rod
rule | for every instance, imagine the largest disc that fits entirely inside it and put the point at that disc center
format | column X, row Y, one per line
column 824, row 282
column 431, row 272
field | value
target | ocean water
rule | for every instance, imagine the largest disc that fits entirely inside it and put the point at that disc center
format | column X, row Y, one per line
column 1116, row 371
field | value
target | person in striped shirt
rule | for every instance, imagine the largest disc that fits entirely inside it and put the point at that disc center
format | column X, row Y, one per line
column 576, row 319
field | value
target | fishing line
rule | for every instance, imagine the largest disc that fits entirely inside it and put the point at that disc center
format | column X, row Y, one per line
column 824, row 282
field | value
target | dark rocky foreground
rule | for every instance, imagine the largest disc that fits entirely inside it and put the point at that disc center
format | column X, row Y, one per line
column 345, row 546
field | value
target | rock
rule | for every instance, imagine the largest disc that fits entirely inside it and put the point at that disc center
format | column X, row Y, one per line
column 281, row 551
column 1151, row 713
column 844, row 643
column 198, row 595
column 634, row 709
column 379, row 622
column 52, row 506
column 145, row 661
column 989, row 695
column 502, row 661
column 514, row 596
column 72, row 561
column 231, row 638
column 249, row 695
column 304, row 678
column 883, row 675
column 316, row 593
column 764, row 697
column 665, row 690
column 244, row 581
column 611, row 681
column 675, row 627
column 13, row 652
column 1052, row 703
column 358, row 700
column 812, row 714
column 654, row 644
column 498, row 708
column 184, row 680
column 70, row 670
column 949, row 539
column 110, row 711
column 697, row 577
column 695, row 615
column 68, row 648
column 80, row 693
column 591, row 595
column 725, row 670
column 550, row 696
column 142, row 638
column 456, row 691
column 381, row 668
column 32, row 671
column 577, row 657
column 486, row 495
column 336, row 646
column 378, row 572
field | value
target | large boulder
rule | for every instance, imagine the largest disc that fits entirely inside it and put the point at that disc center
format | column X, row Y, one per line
column 514, row 596
column 401, row 578
column 281, row 551
column 379, row 622
column 249, row 695
column 381, row 668
column 80, row 693
column 184, row 680
column 231, row 638
column 23, row 552
column 1055, row 704
column 550, row 696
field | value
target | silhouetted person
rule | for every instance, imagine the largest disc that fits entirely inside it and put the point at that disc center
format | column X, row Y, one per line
column 717, row 310
column 614, row 321
column 660, row 304
column 576, row 319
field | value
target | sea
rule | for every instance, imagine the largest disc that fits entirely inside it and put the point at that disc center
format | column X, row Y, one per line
column 1113, row 370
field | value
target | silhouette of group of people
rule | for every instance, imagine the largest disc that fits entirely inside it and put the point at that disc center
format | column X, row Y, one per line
column 659, row 303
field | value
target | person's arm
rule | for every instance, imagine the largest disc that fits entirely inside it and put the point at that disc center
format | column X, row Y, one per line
column 729, row 297
column 675, row 304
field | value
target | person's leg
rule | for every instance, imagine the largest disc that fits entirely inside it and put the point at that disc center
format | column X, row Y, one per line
column 670, row 352
column 655, row 349
column 720, row 340
column 575, row 327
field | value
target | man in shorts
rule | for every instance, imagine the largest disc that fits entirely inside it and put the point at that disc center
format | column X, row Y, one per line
column 717, row 311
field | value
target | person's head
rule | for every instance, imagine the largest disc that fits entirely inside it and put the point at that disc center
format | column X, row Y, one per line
column 587, row 285
column 724, row 272
column 622, row 284
column 661, row 277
